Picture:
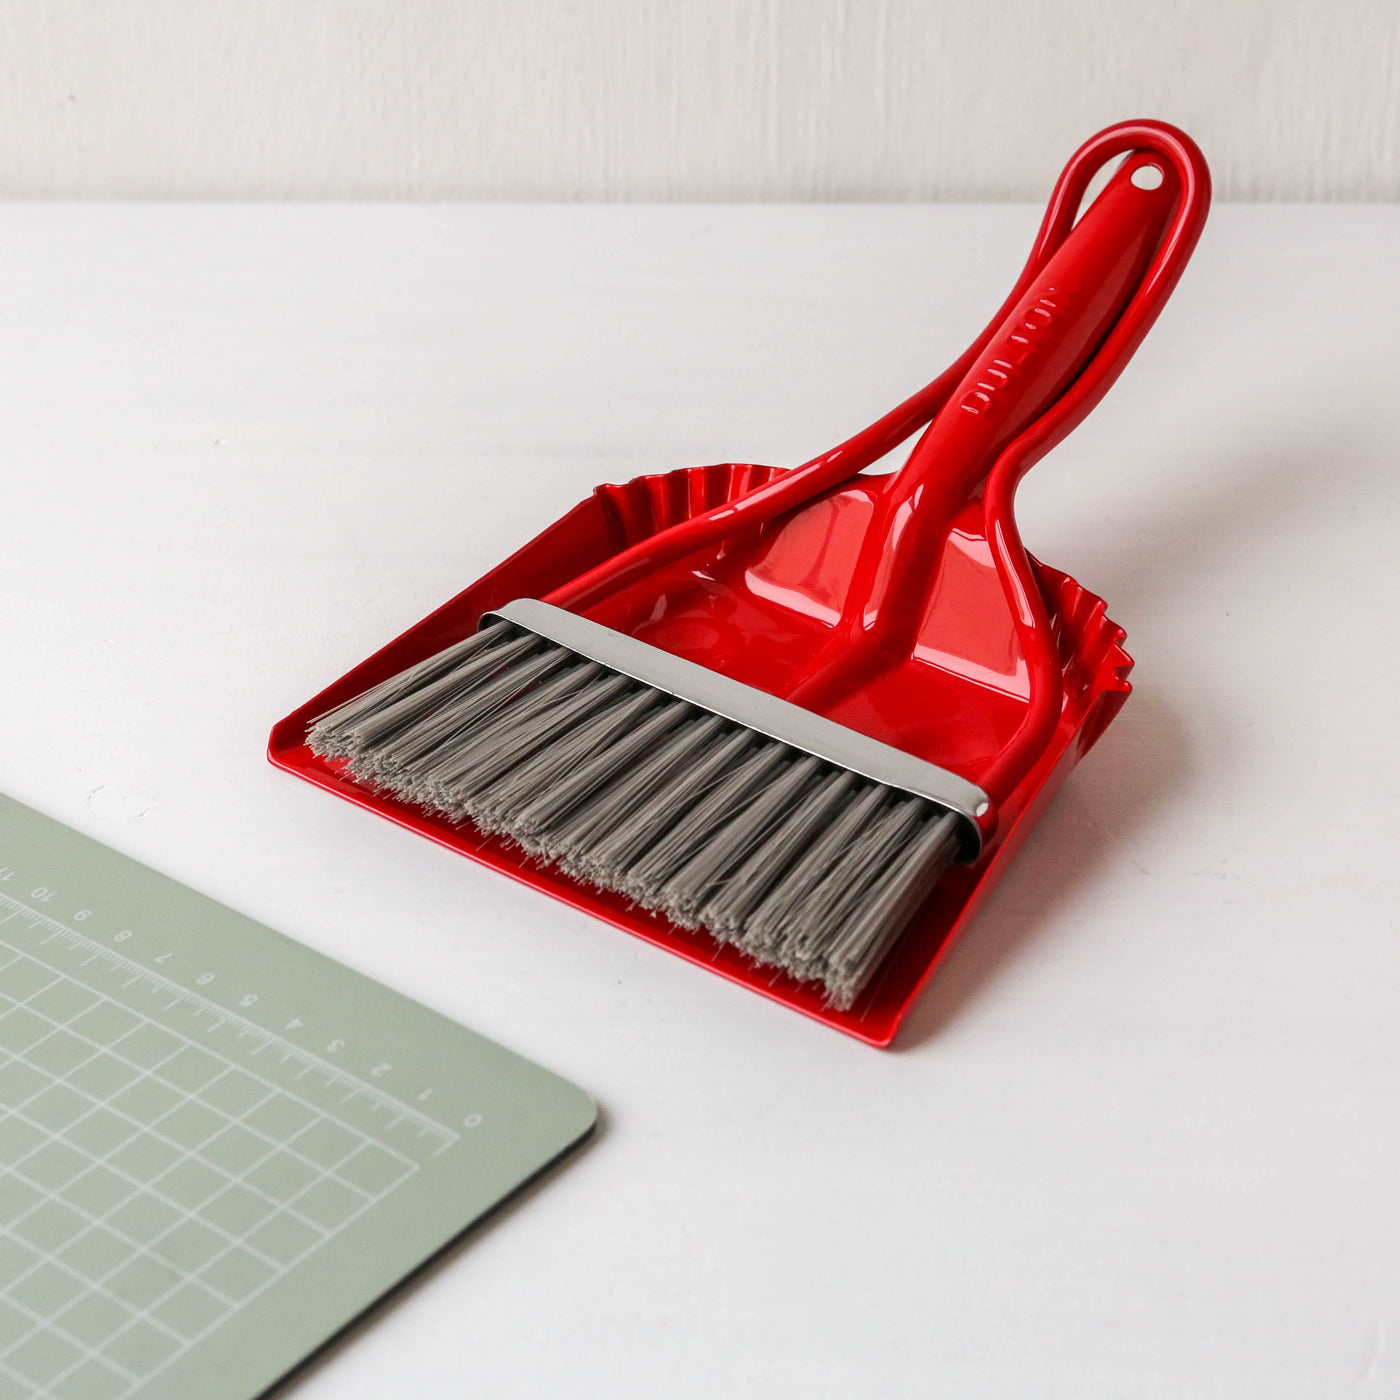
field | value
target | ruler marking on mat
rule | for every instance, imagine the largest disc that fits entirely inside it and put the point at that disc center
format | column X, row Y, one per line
column 157, row 983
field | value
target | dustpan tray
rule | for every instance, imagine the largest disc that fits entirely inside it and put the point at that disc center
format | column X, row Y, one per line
column 611, row 519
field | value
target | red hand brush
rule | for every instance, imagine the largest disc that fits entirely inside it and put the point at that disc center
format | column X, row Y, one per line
column 793, row 724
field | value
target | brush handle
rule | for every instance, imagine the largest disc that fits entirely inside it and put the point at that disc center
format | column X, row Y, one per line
column 1040, row 349
column 797, row 487
column 1051, row 333
column 1056, row 383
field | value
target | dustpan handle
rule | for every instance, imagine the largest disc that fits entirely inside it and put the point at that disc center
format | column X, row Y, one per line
column 1047, row 341
column 800, row 485
column 796, row 487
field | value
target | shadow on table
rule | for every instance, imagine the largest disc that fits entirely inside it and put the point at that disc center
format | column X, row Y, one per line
column 1144, row 759
column 1089, row 827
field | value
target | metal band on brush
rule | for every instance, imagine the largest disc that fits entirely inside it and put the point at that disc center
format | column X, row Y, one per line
column 755, row 709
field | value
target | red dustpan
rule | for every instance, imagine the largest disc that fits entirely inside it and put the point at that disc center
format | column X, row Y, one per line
column 903, row 607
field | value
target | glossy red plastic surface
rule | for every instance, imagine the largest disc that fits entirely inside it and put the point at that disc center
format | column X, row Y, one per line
column 903, row 606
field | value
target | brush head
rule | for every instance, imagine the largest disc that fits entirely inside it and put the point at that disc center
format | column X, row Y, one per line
column 803, row 864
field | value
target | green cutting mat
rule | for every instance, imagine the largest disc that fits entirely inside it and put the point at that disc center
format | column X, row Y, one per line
column 217, row 1148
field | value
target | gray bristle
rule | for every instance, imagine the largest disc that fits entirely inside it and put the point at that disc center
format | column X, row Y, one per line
column 709, row 870
column 802, row 866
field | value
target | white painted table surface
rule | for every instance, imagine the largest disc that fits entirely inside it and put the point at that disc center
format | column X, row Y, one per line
column 1139, row 1141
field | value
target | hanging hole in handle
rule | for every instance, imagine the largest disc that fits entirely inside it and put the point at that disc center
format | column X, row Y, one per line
column 1148, row 177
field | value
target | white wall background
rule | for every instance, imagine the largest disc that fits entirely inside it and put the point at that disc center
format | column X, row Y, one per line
column 683, row 99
